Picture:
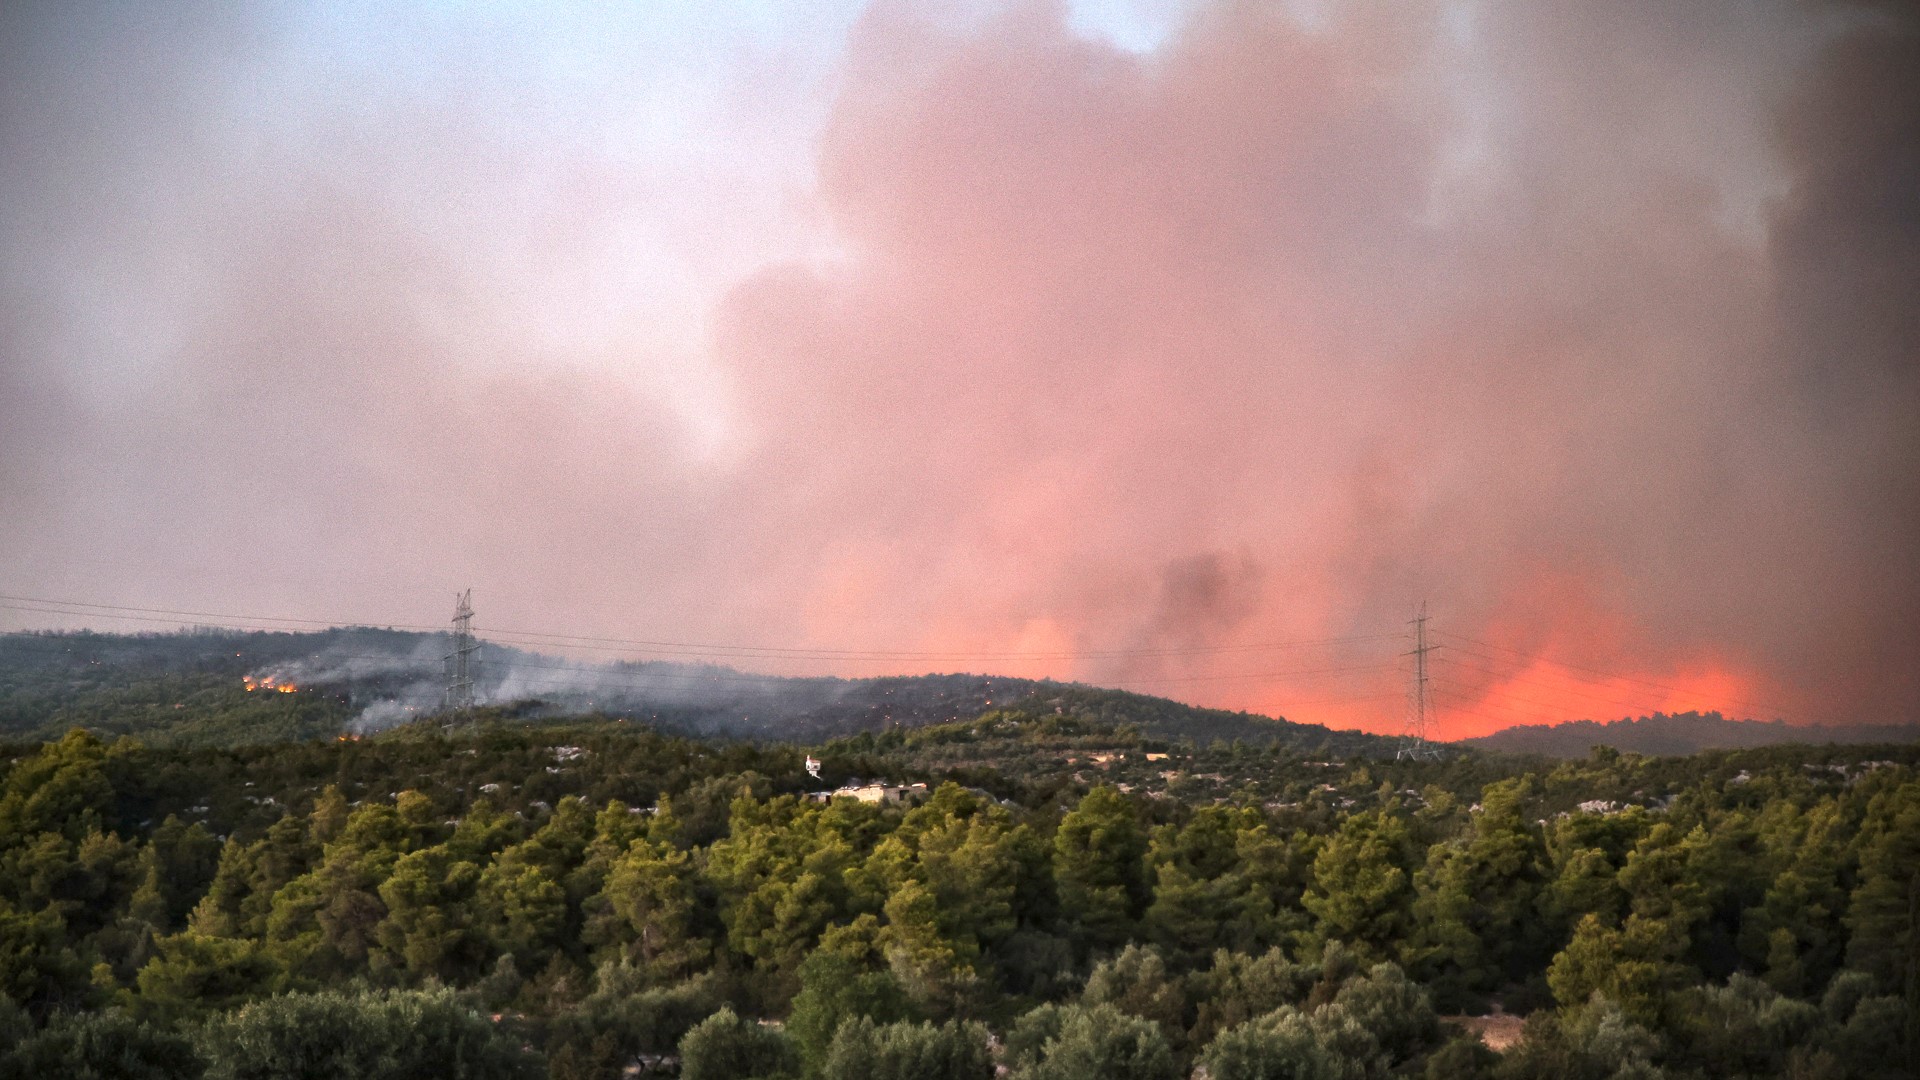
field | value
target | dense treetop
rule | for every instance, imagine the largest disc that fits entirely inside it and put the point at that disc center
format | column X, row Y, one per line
column 1070, row 888
column 610, row 895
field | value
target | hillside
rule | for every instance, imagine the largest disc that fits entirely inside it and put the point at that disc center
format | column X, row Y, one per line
column 226, row 688
column 595, row 900
column 1682, row 733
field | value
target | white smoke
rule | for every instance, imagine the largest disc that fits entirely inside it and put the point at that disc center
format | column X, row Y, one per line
column 399, row 678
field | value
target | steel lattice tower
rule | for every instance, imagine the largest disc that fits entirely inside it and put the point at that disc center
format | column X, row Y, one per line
column 1414, row 741
column 458, row 702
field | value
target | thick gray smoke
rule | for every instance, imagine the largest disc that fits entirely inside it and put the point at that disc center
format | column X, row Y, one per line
column 968, row 336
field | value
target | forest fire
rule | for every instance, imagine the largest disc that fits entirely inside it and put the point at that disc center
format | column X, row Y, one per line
column 1479, row 685
column 1543, row 692
column 269, row 682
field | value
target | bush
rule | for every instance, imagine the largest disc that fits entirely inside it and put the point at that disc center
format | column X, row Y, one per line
column 1744, row 1027
column 107, row 1046
column 1239, row 987
column 1096, row 1042
column 1287, row 1044
column 369, row 1035
column 653, row 1021
column 1600, row 1042
column 834, row 989
column 613, row 1027
column 1395, row 1010
column 1026, row 1043
column 1873, row 1044
column 726, row 1047
column 863, row 1050
column 1137, row 983
column 1464, row 1057
column 192, row 974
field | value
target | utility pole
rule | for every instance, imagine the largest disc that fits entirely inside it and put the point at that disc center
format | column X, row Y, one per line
column 458, row 702
column 1414, row 742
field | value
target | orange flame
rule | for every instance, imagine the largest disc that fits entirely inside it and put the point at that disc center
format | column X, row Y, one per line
column 268, row 682
column 1560, row 654
column 1547, row 693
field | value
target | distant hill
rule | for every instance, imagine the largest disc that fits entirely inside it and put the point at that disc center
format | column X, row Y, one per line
column 226, row 687
column 1681, row 733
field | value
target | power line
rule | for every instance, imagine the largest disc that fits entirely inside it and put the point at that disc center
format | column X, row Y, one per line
column 1534, row 711
column 1513, row 677
column 552, row 682
column 611, row 644
column 1496, row 697
column 1515, row 669
column 1340, row 700
column 669, row 651
column 923, row 655
column 1566, row 712
column 194, row 614
column 1269, row 674
column 1594, row 671
column 1509, row 721
column 612, row 670
column 602, row 673
column 146, row 618
column 1415, row 744
column 1495, row 700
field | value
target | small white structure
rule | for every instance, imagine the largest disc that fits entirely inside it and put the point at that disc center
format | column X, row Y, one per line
column 873, row 793
column 813, row 766
column 878, row 792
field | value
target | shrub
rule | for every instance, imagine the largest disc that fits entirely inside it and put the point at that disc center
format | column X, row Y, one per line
column 103, row 1045
column 726, row 1047
column 1096, row 1042
column 863, row 1050
column 1287, row 1044
column 368, row 1035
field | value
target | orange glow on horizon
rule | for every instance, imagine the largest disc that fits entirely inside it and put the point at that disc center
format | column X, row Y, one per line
column 1546, row 693
column 1556, row 653
column 1536, row 692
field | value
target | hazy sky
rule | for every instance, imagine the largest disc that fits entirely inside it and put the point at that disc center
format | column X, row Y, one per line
column 1096, row 340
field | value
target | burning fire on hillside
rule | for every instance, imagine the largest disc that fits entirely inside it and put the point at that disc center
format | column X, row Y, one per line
column 269, row 682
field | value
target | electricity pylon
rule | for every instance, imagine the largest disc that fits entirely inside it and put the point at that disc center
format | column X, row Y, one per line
column 458, row 702
column 1414, row 743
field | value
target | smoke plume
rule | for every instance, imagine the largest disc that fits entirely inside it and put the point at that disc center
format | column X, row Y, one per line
column 991, row 341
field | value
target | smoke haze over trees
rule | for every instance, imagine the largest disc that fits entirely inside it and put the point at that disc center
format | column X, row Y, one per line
column 224, row 688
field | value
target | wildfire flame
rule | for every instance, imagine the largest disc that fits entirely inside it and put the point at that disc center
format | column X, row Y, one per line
column 268, row 682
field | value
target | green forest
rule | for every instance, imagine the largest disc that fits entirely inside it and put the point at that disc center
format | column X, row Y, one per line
column 191, row 689
column 1063, row 899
